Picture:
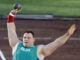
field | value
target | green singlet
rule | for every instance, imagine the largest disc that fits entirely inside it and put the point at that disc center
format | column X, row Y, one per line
column 25, row 53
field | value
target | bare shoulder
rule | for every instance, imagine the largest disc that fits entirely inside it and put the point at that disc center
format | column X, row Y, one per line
column 19, row 41
column 15, row 47
column 39, row 52
column 40, row 47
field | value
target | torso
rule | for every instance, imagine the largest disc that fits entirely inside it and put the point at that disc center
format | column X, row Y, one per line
column 39, row 56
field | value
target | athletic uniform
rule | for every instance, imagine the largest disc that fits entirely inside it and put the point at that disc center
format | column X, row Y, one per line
column 25, row 53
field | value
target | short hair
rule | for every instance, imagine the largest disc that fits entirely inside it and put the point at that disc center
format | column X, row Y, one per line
column 30, row 32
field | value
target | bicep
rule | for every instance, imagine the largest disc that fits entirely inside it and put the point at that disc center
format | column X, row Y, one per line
column 12, row 36
column 13, row 39
column 49, row 48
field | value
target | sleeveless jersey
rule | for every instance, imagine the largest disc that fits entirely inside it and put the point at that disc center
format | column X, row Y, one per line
column 25, row 53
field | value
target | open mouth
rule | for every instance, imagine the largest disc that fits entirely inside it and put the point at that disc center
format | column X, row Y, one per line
column 25, row 42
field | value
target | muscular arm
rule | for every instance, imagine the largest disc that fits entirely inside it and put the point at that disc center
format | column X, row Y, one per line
column 12, row 36
column 51, row 47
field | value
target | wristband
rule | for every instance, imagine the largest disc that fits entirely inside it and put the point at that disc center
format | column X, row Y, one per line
column 10, row 18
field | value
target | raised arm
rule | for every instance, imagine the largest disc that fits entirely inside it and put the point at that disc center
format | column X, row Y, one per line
column 51, row 47
column 12, row 36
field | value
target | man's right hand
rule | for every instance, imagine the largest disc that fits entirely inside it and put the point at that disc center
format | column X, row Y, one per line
column 14, row 11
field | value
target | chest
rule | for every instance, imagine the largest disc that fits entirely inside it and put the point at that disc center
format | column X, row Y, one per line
column 27, row 51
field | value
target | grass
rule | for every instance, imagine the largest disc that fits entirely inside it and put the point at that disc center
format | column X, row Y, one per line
column 58, row 8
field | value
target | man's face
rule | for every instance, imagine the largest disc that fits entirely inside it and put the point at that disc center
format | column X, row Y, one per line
column 28, row 40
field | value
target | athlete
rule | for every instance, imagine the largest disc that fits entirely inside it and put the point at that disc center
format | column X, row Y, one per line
column 26, row 50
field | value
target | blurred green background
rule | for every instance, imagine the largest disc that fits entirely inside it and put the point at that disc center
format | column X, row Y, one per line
column 58, row 8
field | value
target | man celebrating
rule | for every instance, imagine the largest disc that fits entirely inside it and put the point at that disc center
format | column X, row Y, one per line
column 26, row 50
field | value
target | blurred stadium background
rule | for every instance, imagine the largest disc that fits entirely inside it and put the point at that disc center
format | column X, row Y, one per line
column 46, row 30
